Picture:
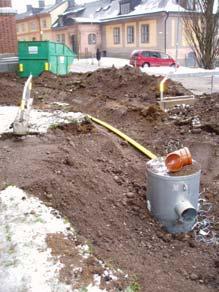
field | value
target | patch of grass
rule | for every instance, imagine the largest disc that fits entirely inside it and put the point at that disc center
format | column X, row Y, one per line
column 8, row 234
column 134, row 287
column 66, row 221
column 10, row 263
column 11, row 249
column 90, row 247
column 5, row 185
column 83, row 289
column 66, row 108
column 39, row 220
column 54, row 126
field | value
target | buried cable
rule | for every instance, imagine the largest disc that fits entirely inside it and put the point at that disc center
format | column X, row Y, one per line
column 124, row 137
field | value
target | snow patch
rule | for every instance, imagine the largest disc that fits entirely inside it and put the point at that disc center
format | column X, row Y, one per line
column 26, row 263
column 7, row 117
column 40, row 121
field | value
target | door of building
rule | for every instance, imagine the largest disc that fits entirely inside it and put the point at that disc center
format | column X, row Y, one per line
column 74, row 43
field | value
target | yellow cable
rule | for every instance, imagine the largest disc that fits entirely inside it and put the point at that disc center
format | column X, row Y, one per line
column 22, row 105
column 125, row 137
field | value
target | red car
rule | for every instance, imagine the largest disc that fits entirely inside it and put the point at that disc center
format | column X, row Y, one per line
column 142, row 58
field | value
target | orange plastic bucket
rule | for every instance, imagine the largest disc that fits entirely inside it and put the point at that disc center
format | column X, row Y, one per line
column 176, row 160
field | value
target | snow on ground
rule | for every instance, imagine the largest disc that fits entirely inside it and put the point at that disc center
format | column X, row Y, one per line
column 7, row 117
column 178, row 71
column 39, row 121
column 26, row 262
column 91, row 64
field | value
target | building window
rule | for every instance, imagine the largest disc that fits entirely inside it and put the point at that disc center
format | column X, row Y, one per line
column 130, row 34
column 116, row 35
column 32, row 26
column 60, row 38
column 125, row 8
column 92, row 39
column 145, row 33
column 44, row 24
column 22, row 27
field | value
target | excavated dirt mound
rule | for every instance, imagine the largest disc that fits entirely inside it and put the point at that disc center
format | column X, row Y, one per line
column 99, row 182
column 114, row 84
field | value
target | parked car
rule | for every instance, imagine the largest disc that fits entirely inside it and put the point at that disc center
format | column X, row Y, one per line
column 143, row 58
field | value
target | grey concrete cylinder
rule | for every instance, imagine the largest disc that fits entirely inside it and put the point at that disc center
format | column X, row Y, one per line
column 173, row 200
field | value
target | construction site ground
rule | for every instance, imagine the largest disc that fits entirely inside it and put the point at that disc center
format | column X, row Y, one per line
column 99, row 182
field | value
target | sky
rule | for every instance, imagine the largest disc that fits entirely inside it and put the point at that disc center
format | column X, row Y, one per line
column 20, row 5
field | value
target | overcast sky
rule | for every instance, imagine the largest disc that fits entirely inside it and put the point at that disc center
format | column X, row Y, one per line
column 20, row 5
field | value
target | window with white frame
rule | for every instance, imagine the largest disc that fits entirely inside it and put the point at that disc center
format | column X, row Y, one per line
column 130, row 34
column 92, row 39
column 144, row 33
column 116, row 35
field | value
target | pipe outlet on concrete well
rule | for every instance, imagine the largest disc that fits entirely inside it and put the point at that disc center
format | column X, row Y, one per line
column 186, row 211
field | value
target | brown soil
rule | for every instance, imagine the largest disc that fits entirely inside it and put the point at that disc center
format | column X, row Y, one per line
column 99, row 182
column 187, row 170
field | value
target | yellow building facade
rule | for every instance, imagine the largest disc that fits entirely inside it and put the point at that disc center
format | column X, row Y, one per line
column 37, row 27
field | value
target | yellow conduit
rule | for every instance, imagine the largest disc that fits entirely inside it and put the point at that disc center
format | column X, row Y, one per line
column 125, row 137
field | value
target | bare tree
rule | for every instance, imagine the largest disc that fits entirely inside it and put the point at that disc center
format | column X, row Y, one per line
column 202, row 29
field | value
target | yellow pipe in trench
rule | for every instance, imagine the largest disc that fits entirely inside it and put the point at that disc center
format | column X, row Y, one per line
column 125, row 137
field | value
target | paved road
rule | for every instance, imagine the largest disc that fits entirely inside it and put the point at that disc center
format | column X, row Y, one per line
column 200, row 85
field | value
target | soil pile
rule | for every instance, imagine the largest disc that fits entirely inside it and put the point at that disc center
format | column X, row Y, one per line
column 111, row 83
column 99, row 182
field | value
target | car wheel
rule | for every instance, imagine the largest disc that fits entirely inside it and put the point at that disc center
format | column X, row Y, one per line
column 145, row 65
column 173, row 65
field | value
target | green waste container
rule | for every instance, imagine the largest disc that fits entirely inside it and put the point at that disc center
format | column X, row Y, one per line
column 38, row 56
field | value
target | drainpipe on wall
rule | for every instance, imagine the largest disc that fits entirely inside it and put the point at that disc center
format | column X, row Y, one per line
column 165, row 31
column 40, row 28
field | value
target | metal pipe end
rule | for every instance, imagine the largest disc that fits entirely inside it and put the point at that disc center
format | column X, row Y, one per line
column 189, row 214
column 186, row 211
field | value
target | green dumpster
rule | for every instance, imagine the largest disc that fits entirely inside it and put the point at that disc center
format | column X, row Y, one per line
column 38, row 56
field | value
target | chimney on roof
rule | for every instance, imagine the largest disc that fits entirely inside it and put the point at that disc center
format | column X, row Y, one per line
column 71, row 3
column 29, row 7
column 41, row 3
